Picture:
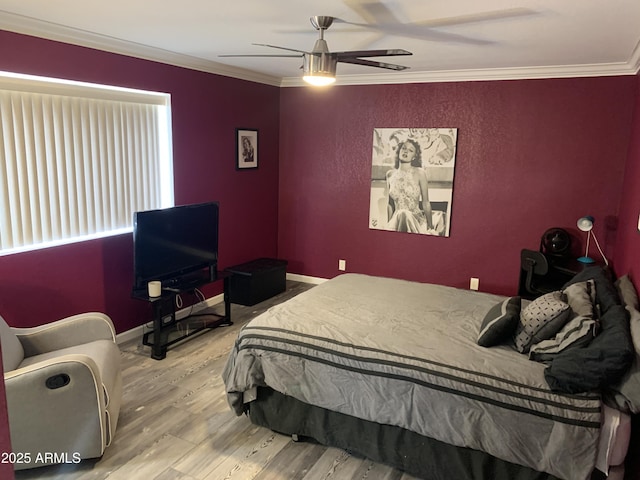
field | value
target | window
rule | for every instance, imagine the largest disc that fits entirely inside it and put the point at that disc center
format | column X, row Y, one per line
column 76, row 160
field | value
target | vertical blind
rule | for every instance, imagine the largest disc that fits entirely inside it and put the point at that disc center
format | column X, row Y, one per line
column 78, row 163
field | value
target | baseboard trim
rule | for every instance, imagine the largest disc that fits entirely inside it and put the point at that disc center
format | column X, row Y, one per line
column 305, row 278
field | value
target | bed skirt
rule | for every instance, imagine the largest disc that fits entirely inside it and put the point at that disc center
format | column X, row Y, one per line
column 410, row 452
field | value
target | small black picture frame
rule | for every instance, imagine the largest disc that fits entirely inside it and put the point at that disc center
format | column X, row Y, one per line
column 246, row 148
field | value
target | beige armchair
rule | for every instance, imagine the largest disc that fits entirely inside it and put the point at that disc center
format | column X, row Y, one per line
column 64, row 388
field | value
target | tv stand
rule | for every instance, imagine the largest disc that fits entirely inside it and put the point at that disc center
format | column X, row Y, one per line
column 167, row 330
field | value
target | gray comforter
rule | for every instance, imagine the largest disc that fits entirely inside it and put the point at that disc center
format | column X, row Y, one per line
column 405, row 354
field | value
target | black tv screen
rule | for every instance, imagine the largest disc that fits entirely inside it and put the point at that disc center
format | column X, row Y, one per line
column 171, row 243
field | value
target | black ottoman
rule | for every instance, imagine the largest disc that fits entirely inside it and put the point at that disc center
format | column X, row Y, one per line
column 257, row 280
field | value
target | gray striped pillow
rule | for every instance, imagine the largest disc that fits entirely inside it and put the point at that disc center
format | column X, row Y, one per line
column 500, row 322
column 576, row 333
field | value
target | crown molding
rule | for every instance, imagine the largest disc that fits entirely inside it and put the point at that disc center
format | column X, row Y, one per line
column 30, row 26
column 562, row 71
column 52, row 31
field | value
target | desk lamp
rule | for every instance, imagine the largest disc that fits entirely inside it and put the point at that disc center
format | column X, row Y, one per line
column 585, row 224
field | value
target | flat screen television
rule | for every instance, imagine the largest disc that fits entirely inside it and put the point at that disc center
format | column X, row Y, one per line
column 177, row 245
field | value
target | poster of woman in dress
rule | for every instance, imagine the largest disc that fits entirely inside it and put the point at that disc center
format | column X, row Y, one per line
column 412, row 180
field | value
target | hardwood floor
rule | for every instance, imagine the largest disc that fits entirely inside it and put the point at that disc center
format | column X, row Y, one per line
column 175, row 423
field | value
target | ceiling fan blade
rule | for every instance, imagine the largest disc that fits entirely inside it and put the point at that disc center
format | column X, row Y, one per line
column 370, row 63
column 372, row 53
column 258, row 55
column 280, row 48
column 421, row 32
column 372, row 12
column 478, row 17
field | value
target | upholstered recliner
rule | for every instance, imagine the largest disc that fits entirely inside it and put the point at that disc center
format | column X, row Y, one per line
column 64, row 388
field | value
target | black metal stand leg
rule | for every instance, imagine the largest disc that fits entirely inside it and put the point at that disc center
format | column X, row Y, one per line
column 227, row 302
column 158, row 351
column 164, row 307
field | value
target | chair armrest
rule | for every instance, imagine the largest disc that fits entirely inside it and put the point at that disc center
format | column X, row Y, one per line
column 53, row 417
column 68, row 332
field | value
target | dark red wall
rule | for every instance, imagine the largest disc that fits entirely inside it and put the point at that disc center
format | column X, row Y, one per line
column 531, row 155
column 41, row 286
column 628, row 247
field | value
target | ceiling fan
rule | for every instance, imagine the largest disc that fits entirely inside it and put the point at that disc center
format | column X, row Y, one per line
column 319, row 65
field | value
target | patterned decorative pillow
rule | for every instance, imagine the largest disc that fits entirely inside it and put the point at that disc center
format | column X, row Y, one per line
column 500, row 322
column 541, row 320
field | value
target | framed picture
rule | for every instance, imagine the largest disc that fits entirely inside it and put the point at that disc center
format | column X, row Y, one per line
column 412, row 179
column 246, row 148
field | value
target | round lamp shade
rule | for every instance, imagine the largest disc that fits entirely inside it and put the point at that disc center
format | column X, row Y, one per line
column 585, row 223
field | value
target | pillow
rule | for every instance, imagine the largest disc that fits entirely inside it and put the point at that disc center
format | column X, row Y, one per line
column 581, row 297
column 577, row 332
column 540, row 320
column 626, row 394
column 500, row 322
column 627, row 293
column 606, row 294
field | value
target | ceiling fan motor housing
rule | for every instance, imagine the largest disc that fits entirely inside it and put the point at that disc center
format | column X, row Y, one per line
column 320, row 64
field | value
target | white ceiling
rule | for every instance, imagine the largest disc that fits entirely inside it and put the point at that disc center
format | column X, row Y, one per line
column 450, row 39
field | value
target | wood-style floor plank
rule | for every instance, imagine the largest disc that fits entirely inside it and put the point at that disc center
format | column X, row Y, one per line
column 251, row 458
column 293, row 462
column 175, row 423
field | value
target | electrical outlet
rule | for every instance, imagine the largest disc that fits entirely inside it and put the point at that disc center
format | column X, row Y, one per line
column 342, row 265
column 474, row 283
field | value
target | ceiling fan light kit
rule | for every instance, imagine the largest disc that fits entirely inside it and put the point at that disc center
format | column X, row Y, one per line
column 319, row 65
column 319, row 69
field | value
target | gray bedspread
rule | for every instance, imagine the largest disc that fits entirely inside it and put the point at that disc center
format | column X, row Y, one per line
column 405, row 354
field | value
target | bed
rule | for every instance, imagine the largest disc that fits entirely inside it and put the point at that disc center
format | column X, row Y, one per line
column 392, row 370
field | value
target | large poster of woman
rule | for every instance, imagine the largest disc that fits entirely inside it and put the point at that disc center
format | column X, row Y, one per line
column 412, row 180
